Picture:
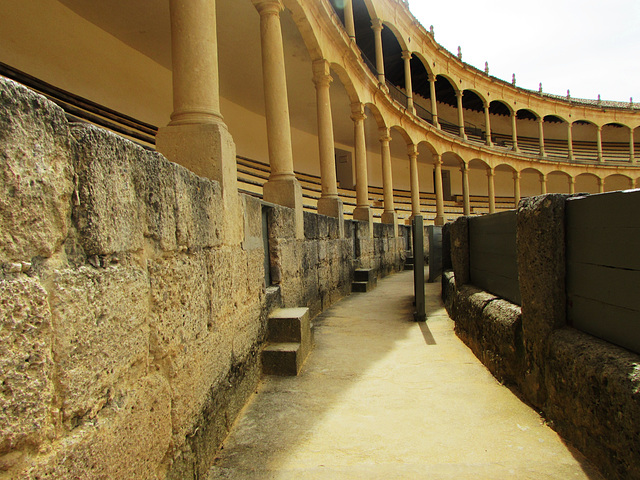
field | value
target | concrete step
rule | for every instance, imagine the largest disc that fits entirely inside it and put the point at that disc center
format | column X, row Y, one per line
column 361, row 287
column 409, row 263
column 364, row 280
column 289, row 338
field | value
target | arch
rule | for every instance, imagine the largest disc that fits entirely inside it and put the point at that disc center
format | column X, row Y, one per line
column 478, row 181
column 500, row 116
column 617, row 181
column 446, row 90
column 528, row 131
column 346, row 81
column 556, row 136
column 377, row 115
column 615, row 142
column 403, row 133
column 392, row 48
column 585, row 133
column 474, row 101
column 500, row 107
column 530, row 182
column 587, row 183
column 396, row 33
column 558, row 182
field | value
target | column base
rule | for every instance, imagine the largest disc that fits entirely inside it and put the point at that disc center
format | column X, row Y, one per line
column 439, row 220
column 391, row 218
column 364, row 214
column 332, row 207
column 288, row 193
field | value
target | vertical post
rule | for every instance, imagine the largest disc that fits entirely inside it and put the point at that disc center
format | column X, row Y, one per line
column 362, row 210
column 389, row 213
column 418, row 269
column 599, row 144
column 466, row 209
column 437, row 163
column 516, row 188
column 406, row 56
column 415, row 183
column 570, row 140
column 329, row 203
column 572, row 185
column 492, row 189
column 434, row 100
column 600, row 185
column 543, row 184
column 514, row 131
column 487, row 121
column 348, row 20
column 541, row 135
column 632, row 155
column 460, row 114
column 376, row 25
column 282, row 187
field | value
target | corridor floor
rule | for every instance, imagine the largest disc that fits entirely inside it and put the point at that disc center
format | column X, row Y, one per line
column 383, row 397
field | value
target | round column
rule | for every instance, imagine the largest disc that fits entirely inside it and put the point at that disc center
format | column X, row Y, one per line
column 465, row 189
column 632, row 154
column 275, row 90
column 322, row 80
column 376, row 25
column 572, row 185
column 543, row 184
column 387, row 180
column 600, row 185
column 514, row 131
column 599, row 144
column 415, row 183
column 460, row 114
column 194, row 59
column 541, row 135
column 362, row 182
column 492, row 189
column 434, row 100
column 487, row 121
column 348, row 20
column 570, row 140
column 516, row 188
column 406, row 56
column 437, row 165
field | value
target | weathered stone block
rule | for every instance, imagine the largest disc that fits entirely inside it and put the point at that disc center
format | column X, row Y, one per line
column 459, row 234
column 128, row 439
column 311, row 230
column 252, row 223
column 36, row 174
column 100, row 320
column 26, row 387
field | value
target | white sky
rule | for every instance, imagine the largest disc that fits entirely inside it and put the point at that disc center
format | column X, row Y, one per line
column 588, row 46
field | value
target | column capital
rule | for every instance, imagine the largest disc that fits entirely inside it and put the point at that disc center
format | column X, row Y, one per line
column 431, row 77
column 322, row 73
column 268, row 7
column 491, row 171
column 412, row 150
column 543, row 177
column 572, row 180
column 464, row 167
column 599, row 127
column 377, row 24
column 406, row 55
column 437, row 159
column 540, row 119
column 516, row 175
column 357, row 112
column 385, row 134
column 459, row 94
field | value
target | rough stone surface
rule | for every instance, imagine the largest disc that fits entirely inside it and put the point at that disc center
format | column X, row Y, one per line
column 128, row 439
column 26, row 386
column 594, row 400
column 36, row 178
column 100, row 335
column 459, row 235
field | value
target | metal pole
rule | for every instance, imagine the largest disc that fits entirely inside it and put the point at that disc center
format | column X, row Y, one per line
column 418, row 269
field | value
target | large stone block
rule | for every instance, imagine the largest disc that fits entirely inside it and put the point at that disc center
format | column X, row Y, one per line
column 26, row 386
column 36, row 174
column 128, row 439
column 100, row 320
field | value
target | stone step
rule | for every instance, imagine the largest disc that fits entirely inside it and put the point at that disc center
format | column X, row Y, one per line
column 283, row 358
column 409, row 261
column 289, row 339
column 361, row 286
column 408, row 266
column 364, row 275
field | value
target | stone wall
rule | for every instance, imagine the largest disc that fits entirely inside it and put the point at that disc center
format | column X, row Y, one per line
column 588, row 389
column 131, row 322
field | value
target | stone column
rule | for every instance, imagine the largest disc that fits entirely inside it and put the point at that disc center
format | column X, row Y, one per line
column 282, row 187
column 599, row 144
column 632, row 154
column 492, row 189
column 389, row 213
column 363, row 209
column 572, row 185
column 516, row 188
column 329, row 203
column 197, row 137
column 376, row 25
column 437, row 163
column 434, row 100
column 543, row 184
column 415, row 183
column 541, row 135
column 406, row 56
column 466, row 209
column 348, row 20
column 514, row 131
column 487, row 121
column 600, row 185
column 570, row 140
column 460, row 114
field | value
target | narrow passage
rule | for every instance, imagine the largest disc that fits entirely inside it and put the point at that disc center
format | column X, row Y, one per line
column 383, row 397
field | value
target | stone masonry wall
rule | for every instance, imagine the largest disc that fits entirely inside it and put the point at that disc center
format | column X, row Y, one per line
column 588, row 389
column 130, row 326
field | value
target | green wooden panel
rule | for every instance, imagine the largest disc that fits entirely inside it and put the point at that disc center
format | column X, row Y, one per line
column 611, row 323
column 611, row 286
column 602, row 245
column 615, row 210
column 503, row 265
